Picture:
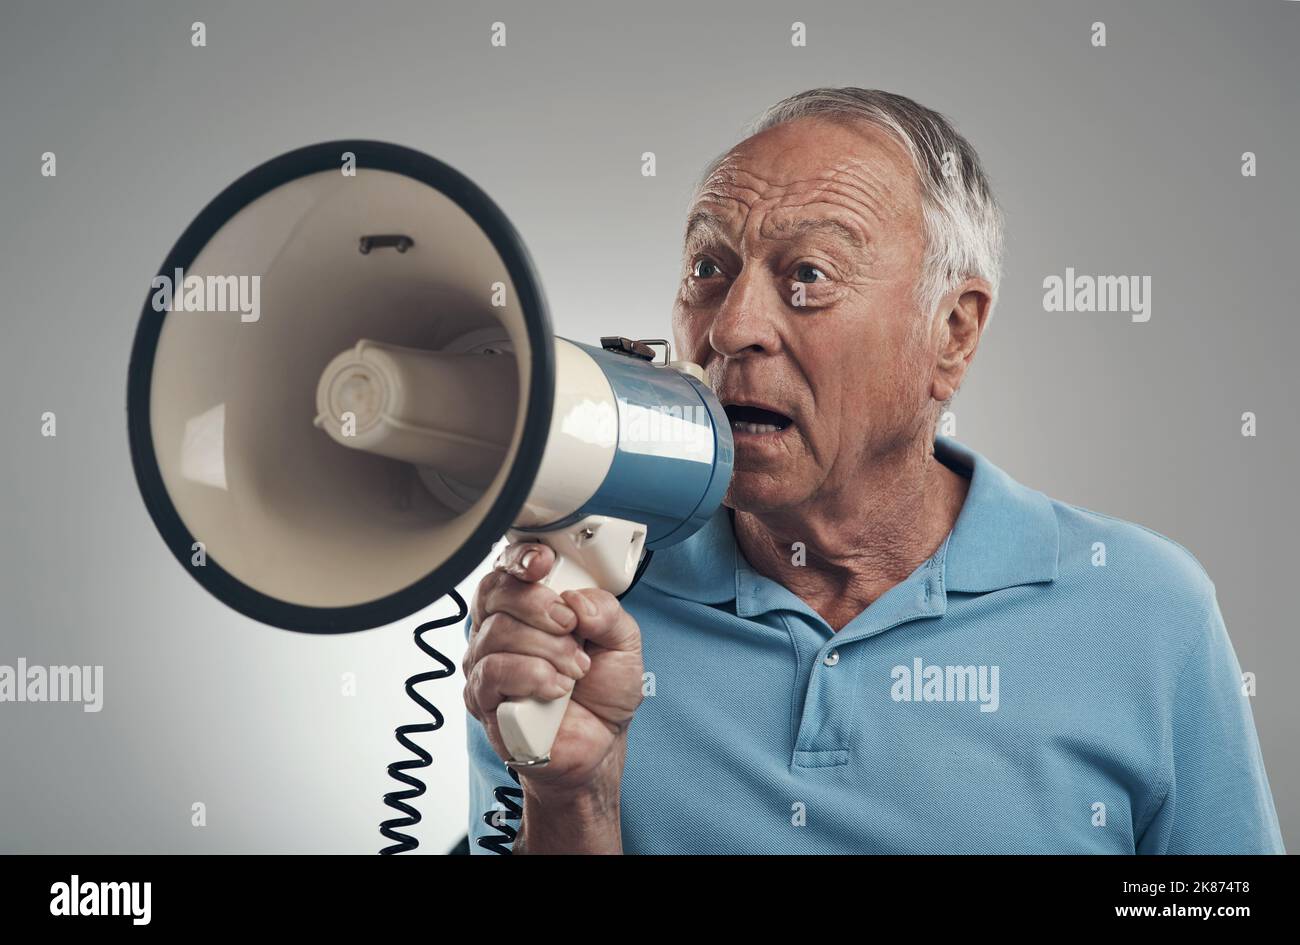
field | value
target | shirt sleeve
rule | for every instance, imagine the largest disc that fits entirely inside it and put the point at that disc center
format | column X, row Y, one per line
column 495, row 799
column 1218, row 798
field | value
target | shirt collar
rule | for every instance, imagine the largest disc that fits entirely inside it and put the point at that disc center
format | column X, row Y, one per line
column 1005, row 535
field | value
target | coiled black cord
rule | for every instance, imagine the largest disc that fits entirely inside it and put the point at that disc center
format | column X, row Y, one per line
column 510, row 801
column 402, row 842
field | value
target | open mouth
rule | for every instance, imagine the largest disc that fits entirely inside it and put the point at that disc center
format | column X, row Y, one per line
column 746, row 418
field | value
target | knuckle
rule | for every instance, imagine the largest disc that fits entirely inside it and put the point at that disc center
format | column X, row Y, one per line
column 487, row 672
column 490, row 588
column 503, row 634
column 539, row 672
column 488, row 628
column 501, row 672
column 503, row 675
column 536, row 601
column 478, row 606
column 529, row 605
column 513, row 595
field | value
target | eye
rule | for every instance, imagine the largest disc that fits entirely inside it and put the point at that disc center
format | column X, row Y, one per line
column 809, row 273
column 704, row 268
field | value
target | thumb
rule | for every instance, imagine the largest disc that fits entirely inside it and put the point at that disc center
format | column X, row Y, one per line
column 602, row 619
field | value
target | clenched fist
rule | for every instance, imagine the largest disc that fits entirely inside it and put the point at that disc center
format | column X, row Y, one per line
column 527, row 640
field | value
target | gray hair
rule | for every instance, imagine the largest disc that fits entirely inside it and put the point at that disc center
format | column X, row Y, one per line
column 961, row 218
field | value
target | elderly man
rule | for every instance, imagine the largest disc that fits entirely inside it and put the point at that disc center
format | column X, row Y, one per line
column 882, row 643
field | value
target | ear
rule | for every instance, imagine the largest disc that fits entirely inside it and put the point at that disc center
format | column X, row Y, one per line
column 966, row 311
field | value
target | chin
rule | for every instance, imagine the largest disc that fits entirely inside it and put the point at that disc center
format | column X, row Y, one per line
column 760, row 492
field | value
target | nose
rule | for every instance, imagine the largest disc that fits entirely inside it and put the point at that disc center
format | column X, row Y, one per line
column 744, row 325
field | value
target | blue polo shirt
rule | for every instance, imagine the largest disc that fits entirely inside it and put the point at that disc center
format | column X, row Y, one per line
column 1052, row 680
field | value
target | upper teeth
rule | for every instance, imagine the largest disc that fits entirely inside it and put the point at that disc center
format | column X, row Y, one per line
column 745, row 427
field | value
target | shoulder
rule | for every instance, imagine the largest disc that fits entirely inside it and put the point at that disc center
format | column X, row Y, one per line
column 1135, row 573
column 1161, row 555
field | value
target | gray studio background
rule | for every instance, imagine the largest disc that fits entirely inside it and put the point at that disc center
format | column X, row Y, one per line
column 1122, row 160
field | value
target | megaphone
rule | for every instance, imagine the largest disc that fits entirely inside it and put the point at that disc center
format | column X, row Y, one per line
column 344, row 389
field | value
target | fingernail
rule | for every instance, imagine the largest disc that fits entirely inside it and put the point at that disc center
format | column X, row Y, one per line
column 562, row 615
column 527, row 560
column 588, row 607
column 584, row 661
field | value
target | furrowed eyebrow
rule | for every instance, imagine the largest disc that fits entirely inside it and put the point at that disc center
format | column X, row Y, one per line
column 707, row 221
column 846, row 233
column 704, row 220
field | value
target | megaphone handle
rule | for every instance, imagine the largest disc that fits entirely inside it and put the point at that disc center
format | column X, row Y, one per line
column 596, row 551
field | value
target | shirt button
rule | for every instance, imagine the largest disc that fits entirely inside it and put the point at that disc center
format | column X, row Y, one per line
column 832, row 658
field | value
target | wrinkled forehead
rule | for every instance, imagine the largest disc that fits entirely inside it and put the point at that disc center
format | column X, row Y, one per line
column 809, row 162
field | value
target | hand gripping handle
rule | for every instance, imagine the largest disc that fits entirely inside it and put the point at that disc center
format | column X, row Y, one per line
column 595, row 551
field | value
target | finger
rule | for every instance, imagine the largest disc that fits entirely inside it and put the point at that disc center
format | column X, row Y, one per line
column 489, row 722
column 528, row 561
column 478, row 609
column 493, row 732
column 541, row 560
column 501, row 676
column 602, row 619
column 502, row 633
column 533, row 604
column 471, row 704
